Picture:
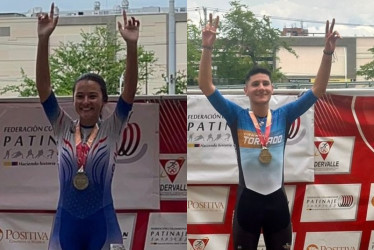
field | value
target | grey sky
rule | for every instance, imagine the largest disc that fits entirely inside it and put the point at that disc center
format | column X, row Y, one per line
column 22, row 6
column 344, row 11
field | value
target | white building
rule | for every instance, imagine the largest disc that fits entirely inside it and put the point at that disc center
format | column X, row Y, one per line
column 350, row 54
column 18, row 38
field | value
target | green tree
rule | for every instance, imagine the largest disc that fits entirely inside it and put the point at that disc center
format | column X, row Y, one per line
column 243, row 40
column 193, row 52
column 367, row 70
column 146, row 59
column 180, row 84
column 246, row 41
column 100, row 52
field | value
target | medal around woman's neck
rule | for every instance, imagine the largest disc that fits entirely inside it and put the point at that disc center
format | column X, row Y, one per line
column 80, row 180
column 265, row 155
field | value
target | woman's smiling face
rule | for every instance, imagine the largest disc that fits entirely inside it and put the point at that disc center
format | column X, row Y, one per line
column 88, row 101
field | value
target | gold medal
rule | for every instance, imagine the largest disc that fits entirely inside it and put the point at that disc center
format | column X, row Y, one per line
column 80, row 181
column 265, row 156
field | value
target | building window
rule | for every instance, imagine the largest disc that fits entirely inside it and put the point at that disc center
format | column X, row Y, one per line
column 4, row 31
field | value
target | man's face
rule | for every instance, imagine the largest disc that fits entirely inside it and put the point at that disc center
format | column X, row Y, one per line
column 259, row 89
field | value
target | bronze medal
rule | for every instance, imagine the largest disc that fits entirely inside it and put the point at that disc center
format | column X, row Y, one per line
column 265, row 156
column 80, row 181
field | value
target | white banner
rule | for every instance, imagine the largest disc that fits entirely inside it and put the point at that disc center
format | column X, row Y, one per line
column 208, row 241
column 139, row 170
column 173, row 176
column 370, row 211
column 25, row 231
column 333, row 155
column 290, row 192
column 332, row 240
column 211, row 154
column 371, row 243
column 330, row 202
column 261, row 243
column 207, row 204
column 32, row 231
column 166, row 231
column 127, row 225
column 28, row 170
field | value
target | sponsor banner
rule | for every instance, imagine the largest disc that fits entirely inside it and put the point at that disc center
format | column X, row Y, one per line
column 32, row 231
column 25, row 231
column 173, row 176
column 333, row 155
column 330, row 202
column 299, row 154
column 127, row 225
column 208, row 241
column 28, row 158
column 210, row 151
column 136, row 167
column 166, row 231
column 207, row 204
column 290, row 192
column 261, row 243
column 211, row 154
column 332, row 240
column 370, row 211
column 371, row 243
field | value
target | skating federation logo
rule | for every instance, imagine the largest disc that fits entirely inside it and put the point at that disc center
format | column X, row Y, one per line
column 294, row 133
column 324, row 147
column 199, row 244
column 294, row 129
column 172, row 167
column 130, row 147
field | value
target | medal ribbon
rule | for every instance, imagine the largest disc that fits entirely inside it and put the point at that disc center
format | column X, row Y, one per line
column 263, row 138
column 83, row 148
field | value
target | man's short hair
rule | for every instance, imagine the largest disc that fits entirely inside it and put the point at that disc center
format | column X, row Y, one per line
column 256, row 70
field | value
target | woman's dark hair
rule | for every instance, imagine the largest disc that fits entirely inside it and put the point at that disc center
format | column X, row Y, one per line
column 94, row 77
column 256, row 70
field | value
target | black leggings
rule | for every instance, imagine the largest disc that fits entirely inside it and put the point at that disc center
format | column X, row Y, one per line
column 254, row 212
